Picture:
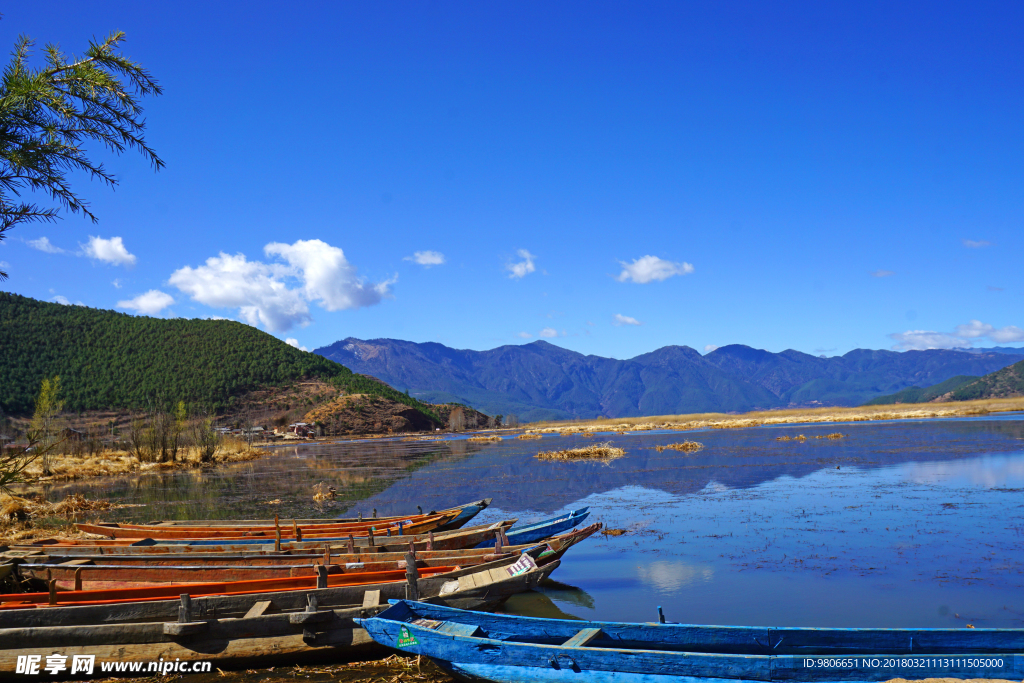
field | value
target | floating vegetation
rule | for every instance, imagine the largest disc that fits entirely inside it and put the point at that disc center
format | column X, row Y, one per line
column 484, row 439
column 530, row 437
column 324, row 492
column 597, row 451
column 613, row 532
column 686, row 447
column 800, row 437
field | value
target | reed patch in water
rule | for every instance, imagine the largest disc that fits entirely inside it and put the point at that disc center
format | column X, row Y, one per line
column 530, row 437
column 834, row 436
column 484, row 439
column 686, row 447
column 597, row 451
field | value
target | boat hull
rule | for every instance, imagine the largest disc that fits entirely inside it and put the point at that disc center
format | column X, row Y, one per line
column 500, row 648
column 537, row 531
column 104, row 573
column 226, row 630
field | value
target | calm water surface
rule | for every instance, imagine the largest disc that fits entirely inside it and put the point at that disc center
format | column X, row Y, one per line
column 899, row 524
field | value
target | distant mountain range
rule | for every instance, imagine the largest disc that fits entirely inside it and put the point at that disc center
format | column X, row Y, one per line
column 541, row 381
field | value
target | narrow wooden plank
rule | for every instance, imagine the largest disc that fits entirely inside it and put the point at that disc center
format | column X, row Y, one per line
column 455, row 629
column 74, row 563
column 371, row 598
column 258, row 609
column 582, row 638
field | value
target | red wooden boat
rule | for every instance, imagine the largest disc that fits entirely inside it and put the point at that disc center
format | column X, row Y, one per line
column 105, row 572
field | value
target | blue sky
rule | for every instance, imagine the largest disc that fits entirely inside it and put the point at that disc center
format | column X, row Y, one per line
column 610, row 177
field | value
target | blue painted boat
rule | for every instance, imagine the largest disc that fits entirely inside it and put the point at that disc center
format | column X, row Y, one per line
column 478, row 646
column 538, row 531
column 468, row 512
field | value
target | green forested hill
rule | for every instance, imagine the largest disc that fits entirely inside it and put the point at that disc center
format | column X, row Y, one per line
column 110, row 360
column 919, row 395
column 1002, row 384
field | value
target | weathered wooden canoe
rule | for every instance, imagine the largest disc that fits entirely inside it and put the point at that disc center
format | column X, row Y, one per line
column 535, row 531
column 468, row 537
column 243, row 630
column 408, row 526
column 504, row 648
column 105, row 574
column 468, row 511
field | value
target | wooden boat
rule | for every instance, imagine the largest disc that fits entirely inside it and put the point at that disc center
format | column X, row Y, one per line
column 468, row 537
column 228, row 631
column 504, row 648
column 469, row 510
column 56, row 558
column 103, row 573
column 535, row 531
column 408, row 526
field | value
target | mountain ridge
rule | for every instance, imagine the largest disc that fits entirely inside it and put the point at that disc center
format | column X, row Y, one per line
column 540, row 380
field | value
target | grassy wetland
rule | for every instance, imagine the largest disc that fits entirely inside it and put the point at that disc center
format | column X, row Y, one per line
column 908, row 411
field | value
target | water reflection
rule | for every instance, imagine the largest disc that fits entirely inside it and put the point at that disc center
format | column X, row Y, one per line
column 669, row 576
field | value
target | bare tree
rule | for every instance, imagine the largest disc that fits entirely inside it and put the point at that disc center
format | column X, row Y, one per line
column 138, row 437
column 457, row 419
column 205, row 437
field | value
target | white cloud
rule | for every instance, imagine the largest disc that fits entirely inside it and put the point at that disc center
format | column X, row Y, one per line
column 1010, row 333
column 963, row 336
column 973, row 330
column 44, row 244
column 524, row 335
column 150, row 303
column 708, row 348
column 524, row 267
column 292, row 341
column 261, row 293
column 919, row 340
column 649, row 268
column 426, row 258
column 548, row 333
column 972, row 244
column 250, row 286
column 4, row 264
column 110, row 251
column 619, row 320
column 116, row 283
column 327, row 276
column 882, row 273
column 63, row 300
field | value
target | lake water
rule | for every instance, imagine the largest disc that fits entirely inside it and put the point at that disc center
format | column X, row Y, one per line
column 903, row 523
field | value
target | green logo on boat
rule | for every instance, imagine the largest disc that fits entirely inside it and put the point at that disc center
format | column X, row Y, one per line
column 406, row 639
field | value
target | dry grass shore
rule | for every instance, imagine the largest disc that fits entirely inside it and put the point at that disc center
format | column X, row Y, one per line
column 908, row 411
column 66, row 466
